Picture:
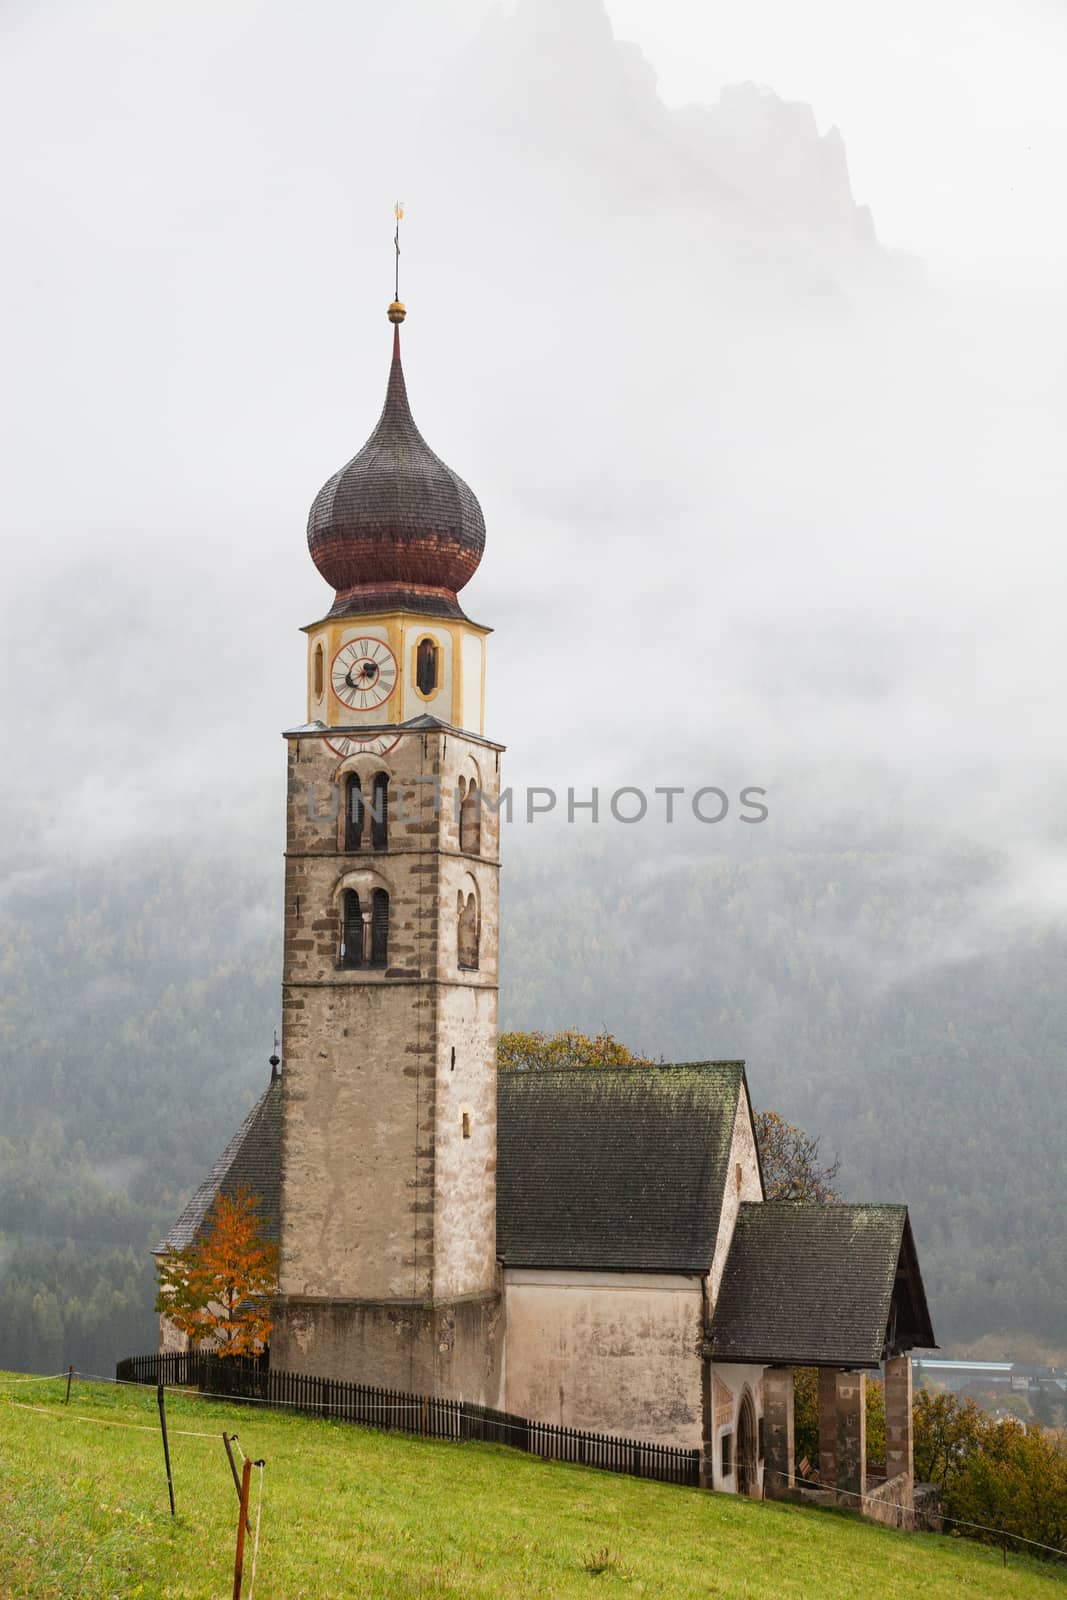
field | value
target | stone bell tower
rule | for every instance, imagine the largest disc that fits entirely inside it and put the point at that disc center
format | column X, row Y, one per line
column 388, row 1269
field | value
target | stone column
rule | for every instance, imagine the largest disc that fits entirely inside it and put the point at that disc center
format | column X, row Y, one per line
column 898, row 1422
column 851, row 1406
column 779, row 1472
column 827, row 1462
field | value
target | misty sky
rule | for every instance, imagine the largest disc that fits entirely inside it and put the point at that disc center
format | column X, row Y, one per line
column 953, row 113
column 767, row 502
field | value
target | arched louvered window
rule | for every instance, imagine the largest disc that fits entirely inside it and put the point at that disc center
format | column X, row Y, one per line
column 351, row 930
column 353, row 812
column 467, row 931
column 319, row 674
column 427, row 659
column 379, row 929
column 379, row 812
column 470, row 817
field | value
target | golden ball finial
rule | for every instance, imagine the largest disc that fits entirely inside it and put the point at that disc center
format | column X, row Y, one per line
column 397, row 312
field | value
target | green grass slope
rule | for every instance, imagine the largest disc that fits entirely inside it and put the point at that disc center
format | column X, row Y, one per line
column 348, row 1512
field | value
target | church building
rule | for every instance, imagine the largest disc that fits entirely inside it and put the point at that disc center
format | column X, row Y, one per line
column 590, row 1248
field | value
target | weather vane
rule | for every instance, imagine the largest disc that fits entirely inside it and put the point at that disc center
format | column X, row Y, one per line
column 397, row 312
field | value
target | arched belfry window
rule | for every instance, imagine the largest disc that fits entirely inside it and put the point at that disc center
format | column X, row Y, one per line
column 351, row 930
column 427, row 666
column 470, row 817
column 353, row 812
column 365, row 929
column 467, row 931
column 379, row 929
column 318, row 674
column 379, row 812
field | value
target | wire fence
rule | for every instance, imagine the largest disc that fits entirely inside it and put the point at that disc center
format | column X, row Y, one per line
column 108, row 1422
column 997, row 1535
column 428, row 1416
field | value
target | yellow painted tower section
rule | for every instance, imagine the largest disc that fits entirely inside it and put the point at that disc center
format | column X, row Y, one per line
column 458, row 693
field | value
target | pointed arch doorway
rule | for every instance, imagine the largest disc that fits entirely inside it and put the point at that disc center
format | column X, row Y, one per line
column 747, row 1464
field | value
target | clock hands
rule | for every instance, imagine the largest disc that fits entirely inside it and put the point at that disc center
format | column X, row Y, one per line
column 368, row 671
column 364, row 673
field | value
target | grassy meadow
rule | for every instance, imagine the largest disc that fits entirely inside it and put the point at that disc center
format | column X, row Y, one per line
column 351, row 1513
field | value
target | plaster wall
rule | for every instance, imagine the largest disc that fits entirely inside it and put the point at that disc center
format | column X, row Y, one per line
column 743, row 1182
column 421, row 1349
column 171, row 1339
column 439, row 701
column 614, row 1353
column 358, row 1142
column 465, row 1166
column 729, row 1385
column 472, row 665
column 457, row 696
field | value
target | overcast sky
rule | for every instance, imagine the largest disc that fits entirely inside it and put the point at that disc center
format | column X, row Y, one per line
column 722, row 439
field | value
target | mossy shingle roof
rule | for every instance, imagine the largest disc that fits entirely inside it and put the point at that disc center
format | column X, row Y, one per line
column 253, row 1160
column 624, row 1170
column 820, row 1285
column 619, row 1169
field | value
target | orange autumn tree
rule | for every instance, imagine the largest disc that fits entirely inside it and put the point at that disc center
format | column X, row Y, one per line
column 219, row 1288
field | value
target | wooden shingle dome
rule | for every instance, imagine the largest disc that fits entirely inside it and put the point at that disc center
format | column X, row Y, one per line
column 396, row 529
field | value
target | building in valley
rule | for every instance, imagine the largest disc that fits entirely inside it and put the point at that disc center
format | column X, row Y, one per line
column 591, row 1248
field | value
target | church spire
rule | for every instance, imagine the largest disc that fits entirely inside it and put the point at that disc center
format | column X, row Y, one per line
column 396, row 528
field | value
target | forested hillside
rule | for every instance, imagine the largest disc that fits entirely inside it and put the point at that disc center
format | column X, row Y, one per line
column 136, row 1014
column 873, row 1004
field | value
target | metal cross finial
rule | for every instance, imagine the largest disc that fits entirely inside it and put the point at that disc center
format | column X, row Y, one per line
column 397, row 312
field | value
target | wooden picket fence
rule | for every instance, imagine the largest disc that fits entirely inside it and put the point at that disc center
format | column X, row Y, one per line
column 425, row 1415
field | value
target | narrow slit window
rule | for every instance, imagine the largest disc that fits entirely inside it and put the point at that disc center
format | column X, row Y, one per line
column 353, row 812
column 466, row 1124
column 379, row 929
column 427, row 666
column 319, row 672
column 727, row 1454
column 379, row 812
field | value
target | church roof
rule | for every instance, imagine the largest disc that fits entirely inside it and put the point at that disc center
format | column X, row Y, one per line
column 623, row 1169
column 618, row 1169
column 395, row 528
column 820, row 1285
column 252, row 1160
column 611, row 1169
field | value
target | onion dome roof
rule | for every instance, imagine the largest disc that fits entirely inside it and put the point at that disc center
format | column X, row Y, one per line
column 396, row 528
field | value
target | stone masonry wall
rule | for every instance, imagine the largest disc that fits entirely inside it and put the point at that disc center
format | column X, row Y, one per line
column 389, row 1134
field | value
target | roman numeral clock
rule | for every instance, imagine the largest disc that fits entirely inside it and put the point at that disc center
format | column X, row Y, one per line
column 364, row 674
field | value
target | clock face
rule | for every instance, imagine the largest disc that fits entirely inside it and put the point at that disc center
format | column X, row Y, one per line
column 363, row 674
column 343, row 746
